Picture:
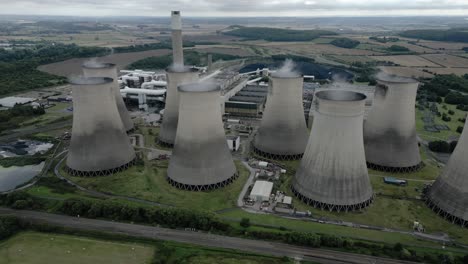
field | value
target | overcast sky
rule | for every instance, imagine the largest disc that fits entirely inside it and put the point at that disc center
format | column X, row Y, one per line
column 235, row 7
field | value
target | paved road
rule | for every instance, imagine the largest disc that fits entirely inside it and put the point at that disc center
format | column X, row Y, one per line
column 199, row 238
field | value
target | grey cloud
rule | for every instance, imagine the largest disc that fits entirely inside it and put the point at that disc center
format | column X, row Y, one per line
column 220, row 7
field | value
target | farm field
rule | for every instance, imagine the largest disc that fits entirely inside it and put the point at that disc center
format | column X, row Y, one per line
column 456, row 71
column 312, row 48
column 446, row 46
column 447, row 60
column 73, row 66
column 350, row 59
column 407, row 60
column 40, row 248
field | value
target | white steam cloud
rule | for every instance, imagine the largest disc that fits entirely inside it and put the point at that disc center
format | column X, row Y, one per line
column 287, row 70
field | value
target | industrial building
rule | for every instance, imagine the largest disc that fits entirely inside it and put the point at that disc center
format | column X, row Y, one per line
column 167, row 134
column 201, row 159
column 448, row 196
column 99, row 144
column 109, row 70
column 261, row 191
column 390, row 137
column 333, row 173
column 283, row 132
column 249, row 101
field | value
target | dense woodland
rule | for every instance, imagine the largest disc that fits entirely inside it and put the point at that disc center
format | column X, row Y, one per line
column 345, row 43
column 18, row 66
column 190, row 58
column 451, row 87
column 456, row 35
column 384, row 39
column 277, row 34
column 12, row 117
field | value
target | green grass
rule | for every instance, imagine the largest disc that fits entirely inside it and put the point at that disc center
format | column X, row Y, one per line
column 149, row 183
column 53, row 114
column 39, row 248
column 322, row 40
column 442, row 135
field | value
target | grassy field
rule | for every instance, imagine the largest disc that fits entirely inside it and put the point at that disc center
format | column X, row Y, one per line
column 56, row 113
column 442, row 135
column 149, row 183
column 39, row 248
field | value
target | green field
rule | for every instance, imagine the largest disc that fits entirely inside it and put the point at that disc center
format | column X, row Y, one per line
column 39, row 248
column 53, row 114
column 50, row 248
column 149, row 182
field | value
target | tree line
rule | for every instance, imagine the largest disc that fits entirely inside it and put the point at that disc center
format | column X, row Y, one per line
column 455, row 35
column 277, row 34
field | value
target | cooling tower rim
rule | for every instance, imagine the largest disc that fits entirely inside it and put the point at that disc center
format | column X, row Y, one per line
column 88, row 65
column 186, row 69
column 90, row 80
column 198, row 87
column 274, row 75
column 342, row 96
column 395, row 79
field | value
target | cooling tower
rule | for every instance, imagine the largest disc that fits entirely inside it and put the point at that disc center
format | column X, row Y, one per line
column 283, row 132
column 99, row 144
column 201, row 159
column 448, row 196
column 171, row 113
column 177, row 42
column 390, row 137
column 110, row 71
column 333, row 172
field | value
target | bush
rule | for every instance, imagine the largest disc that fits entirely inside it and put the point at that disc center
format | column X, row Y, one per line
column 8, row 226
column 460, row 129
column 439, row 146
column 451, row 112
column 245, row 222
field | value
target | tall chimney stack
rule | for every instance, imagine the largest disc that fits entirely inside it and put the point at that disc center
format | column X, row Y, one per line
column 177, row 43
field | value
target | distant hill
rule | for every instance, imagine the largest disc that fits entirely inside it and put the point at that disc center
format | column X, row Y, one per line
column 277, row 34
column 455, row 35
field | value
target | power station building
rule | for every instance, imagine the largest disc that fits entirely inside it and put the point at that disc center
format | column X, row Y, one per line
column 109, row 70
column 390, row 137
column 283, row 132
column 99, row 144
column 201, row 159
column 333, row 173
column 448, row 196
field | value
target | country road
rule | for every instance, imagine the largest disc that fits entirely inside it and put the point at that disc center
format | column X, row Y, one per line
column 199, row 238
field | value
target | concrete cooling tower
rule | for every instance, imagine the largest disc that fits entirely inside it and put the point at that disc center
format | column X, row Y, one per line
column 99, row 144
column 175, row 78
column 283, row 131
column 448, row 196
column 109, row 70
column 333, row 172
column 390, row 137
column 201, row 159
column 177, row 42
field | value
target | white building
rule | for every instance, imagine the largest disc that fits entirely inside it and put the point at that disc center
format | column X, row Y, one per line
column 261, row 191
column 233, row 142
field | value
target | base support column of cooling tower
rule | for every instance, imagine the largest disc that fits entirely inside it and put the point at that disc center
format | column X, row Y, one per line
column 445, row 215
column 275, row 156
column 395, row 169
column 201, row 188
column 332, row 207
column 77, row 173
column 165, row 144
